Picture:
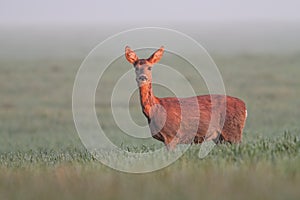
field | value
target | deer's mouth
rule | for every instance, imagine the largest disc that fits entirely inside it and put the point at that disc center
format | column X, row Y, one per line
column 142, row 79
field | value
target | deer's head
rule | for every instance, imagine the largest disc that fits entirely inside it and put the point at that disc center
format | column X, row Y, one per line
column 143, row 66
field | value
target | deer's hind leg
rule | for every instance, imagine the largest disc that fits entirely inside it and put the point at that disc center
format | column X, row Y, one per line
column 214, row 136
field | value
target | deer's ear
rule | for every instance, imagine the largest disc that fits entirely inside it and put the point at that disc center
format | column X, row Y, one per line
column 130, row 55
column 156, row 56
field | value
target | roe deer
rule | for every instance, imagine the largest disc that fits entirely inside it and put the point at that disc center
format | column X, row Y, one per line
column 165, row 114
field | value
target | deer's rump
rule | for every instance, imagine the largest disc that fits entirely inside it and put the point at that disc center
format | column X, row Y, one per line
column 195, row 118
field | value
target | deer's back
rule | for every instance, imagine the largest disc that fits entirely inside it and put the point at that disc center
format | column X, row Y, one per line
column 193, row 117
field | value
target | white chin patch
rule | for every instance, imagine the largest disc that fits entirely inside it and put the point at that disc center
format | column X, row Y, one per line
column 142, row 82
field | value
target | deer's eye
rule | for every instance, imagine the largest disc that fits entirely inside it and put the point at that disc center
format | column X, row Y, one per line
column 149, row 68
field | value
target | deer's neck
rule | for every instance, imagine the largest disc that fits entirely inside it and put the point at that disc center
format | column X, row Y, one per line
column 147, row 98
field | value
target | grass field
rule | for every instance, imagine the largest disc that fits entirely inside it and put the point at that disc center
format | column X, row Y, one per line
column 41, row 156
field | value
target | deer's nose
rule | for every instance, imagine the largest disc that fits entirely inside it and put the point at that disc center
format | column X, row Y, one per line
column 143, row 78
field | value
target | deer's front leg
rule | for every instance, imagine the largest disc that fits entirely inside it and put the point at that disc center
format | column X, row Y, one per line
column 171, row 142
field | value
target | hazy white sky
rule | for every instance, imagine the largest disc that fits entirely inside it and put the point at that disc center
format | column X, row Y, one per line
column 131, row 11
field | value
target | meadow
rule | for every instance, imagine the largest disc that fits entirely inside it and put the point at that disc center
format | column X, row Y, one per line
column 42, row 157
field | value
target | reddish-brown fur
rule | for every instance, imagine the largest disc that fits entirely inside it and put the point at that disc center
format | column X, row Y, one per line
column 187, row 120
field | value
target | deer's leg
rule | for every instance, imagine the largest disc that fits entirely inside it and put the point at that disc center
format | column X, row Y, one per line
column 213, row 135
column 171, row 142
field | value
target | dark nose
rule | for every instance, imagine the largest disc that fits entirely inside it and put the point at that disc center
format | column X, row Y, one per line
column 142, row 78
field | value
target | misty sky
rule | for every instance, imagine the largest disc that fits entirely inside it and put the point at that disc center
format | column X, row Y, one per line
column 68, row 11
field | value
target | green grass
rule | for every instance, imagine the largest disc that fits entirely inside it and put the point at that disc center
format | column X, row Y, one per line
column 257, row 169
column 41, row 156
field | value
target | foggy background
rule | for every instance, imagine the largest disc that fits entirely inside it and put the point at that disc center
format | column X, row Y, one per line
column 73, row 28
column 154, row 11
